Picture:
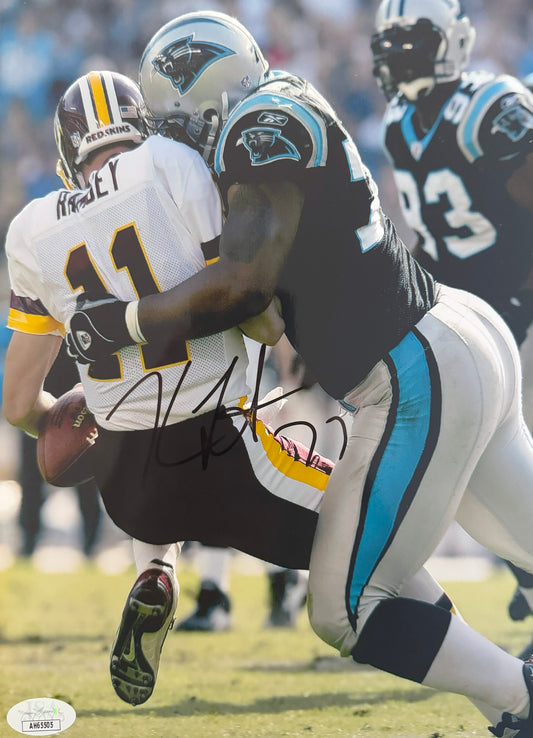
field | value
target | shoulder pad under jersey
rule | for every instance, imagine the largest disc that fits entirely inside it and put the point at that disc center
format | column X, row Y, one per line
column 273, row 129
column 497, row 120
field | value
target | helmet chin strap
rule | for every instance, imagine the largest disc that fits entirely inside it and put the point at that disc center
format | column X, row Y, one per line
column 215, row 125
column 211, row 137
column 225, row 107
column 61, row 174
column 417, row 88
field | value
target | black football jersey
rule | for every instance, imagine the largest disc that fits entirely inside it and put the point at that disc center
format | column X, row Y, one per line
column 350, row 290
column 451, row 181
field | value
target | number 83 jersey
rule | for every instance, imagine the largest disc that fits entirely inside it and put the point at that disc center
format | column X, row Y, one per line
column 451, row 182
column 149, row 219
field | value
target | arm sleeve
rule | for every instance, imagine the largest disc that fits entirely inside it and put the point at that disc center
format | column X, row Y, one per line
column 498, row 125
column 270, row 139
column 27, row 312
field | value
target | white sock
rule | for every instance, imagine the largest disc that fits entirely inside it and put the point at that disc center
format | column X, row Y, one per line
column 273, row 568
column 144, row 553
column 468, row 663
column 213, row 565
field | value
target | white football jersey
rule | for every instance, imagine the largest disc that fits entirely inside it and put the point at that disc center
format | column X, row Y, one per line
column 136, row 230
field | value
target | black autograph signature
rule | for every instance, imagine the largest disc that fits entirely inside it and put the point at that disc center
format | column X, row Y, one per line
column 211, row 444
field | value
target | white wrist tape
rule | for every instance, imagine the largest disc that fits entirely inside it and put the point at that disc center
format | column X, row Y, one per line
column 132, row 322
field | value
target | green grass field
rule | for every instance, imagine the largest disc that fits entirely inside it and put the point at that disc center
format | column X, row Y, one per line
column 56, row 631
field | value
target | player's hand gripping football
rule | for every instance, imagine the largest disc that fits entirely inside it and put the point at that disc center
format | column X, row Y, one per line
column 99, row 327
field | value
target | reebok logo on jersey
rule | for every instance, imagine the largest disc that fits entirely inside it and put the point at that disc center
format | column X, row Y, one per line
column 267, row 144
column 273, row 119
column 416, row 150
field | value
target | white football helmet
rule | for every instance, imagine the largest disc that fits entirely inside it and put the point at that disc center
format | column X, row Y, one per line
column 194, row 71
column 418, row 44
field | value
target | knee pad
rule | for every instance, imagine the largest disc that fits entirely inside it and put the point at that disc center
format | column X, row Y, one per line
column 402, row 636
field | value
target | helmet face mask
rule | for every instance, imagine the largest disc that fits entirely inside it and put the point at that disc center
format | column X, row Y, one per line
column 420, row 45
column 403, row 54
column 98, row 110
column 192, row 74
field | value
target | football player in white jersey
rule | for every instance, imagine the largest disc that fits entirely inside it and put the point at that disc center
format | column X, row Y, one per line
column 461, row 146
column 430, row 374
column 177, row 457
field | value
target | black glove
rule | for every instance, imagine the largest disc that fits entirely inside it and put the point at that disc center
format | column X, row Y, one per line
column 97, row 328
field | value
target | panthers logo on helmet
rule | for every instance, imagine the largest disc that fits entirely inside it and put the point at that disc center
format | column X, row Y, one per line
column 184, row 61
column 267, row 144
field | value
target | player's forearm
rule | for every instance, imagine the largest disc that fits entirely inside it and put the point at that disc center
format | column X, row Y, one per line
column 28, row 361
column 211, row 301
column 28, row 419
column 195, row 308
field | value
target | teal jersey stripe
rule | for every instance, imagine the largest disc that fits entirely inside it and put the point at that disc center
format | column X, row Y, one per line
column 408, row 128
column 471, row 127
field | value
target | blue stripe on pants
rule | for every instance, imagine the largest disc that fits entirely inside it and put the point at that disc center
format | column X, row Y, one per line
column 399, row 460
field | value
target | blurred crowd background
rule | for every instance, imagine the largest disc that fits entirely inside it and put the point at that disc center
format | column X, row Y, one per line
column 46, row 44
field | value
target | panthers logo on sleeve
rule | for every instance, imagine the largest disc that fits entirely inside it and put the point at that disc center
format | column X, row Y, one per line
column 515, row 121
column 498, row 121
column 267, row 144
column 184, row 61
column 278, row 126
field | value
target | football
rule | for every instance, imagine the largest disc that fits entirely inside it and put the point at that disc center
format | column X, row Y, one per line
column 66, row 440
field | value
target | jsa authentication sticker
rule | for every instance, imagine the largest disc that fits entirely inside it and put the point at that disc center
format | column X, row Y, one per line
column 41, row 716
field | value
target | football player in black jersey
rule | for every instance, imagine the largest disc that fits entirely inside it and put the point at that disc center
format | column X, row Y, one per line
column 429, row 376
column 461, row 146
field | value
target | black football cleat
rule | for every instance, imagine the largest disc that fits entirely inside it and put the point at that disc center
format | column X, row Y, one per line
column 518, row 607
column 146, row 620
column 288, row 594
column 212, row 612
column 526, row 652
column 512, row 727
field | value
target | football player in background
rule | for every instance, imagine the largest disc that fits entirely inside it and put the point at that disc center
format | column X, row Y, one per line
column 461, row 146
column 431, row 375
column 177, row 457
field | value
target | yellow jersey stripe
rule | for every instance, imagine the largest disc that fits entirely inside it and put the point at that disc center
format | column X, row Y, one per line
column 97, row 89
column 288, row 465
column 36, row 324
